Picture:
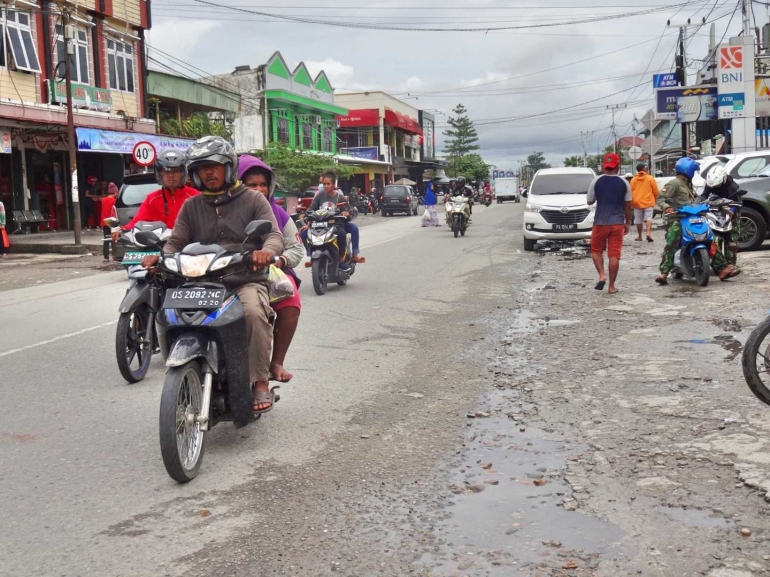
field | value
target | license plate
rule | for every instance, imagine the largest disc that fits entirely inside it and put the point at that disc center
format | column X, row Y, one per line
column 697, row 220
column 394, row 200
column 136, row 256
column 194, row 298
column 564, row 227
column 319, row 225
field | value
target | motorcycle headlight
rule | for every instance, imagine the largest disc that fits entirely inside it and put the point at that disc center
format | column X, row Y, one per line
column 533, row 208
column 221, row 263
column 195, row 265
column 170, row 264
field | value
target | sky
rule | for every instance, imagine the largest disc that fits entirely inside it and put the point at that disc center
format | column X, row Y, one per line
column 536, row 84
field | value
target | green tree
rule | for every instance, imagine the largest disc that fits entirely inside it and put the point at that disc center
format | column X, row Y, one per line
column 471, row 166
column 573, row 161
column 536, row 161
column 298, row 170
column 461, row 135
column 195, row 126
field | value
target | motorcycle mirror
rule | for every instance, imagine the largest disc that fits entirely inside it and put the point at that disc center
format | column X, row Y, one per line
column 112, row 222
column 147, row 238
column 257, row 228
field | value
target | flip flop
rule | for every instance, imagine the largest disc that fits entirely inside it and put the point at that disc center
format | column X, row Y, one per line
column 600, row 285
column 650, row 239
column 638, row 239
column 262, row 397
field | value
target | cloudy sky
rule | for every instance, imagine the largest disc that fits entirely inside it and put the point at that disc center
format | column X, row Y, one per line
column 533, row 74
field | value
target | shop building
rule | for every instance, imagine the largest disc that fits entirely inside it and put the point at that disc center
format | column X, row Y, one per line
column 108, row 90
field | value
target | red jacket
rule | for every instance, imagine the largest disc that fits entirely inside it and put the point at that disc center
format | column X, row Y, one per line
column 154, row 210
column 108, row 203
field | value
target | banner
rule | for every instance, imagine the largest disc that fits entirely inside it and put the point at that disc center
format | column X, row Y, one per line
column 762, row 96
column 668, row 80
column 362, row 152
column 95, row 140
column 669, row 101
column 5, row 142
column 83, row 96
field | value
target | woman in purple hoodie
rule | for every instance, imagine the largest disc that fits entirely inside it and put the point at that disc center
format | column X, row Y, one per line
column 257, row 175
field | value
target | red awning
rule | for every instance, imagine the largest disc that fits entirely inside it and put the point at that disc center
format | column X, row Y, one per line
column 364, row 117
column 395, row 119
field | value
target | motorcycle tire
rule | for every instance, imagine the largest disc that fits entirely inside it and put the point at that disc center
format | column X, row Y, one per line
column 320, row 276
column 749, row 361
column 182, row 452
column 702, row 266
column 342, row 282
column 132, row 343
column 455, row 228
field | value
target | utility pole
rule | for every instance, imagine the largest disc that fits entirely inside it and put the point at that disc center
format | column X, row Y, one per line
column 681, row 72
column 746, row 10
column 614, row 108
column 584, row 137
column 69, row 33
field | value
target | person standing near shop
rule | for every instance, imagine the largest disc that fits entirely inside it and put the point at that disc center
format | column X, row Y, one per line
column 4, row 242
column 91, row 204
column 107, row 210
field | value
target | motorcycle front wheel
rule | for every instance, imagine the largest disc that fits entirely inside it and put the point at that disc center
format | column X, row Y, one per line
column 181, row 437
column 756, row 361
column 702, row 266
column 320, row 276
column 456, row 226
column 133, row 344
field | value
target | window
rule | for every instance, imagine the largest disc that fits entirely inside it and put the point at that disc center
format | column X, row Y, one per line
column 79, row 60
column 327, row 138
column 283, row 129
column 120, row 62
column 20, row 41
column 561, row 184
column 751, row 165
column 307, row 137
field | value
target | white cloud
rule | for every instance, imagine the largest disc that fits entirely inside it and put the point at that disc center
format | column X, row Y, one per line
column 181, row 41
column 342, row 76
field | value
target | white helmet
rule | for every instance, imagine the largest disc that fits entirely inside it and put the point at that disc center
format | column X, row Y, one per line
column 717, row 176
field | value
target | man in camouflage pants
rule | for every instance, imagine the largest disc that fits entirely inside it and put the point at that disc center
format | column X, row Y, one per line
column 678, row 193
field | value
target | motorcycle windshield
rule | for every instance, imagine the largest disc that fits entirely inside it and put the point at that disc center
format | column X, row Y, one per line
column 693, row 209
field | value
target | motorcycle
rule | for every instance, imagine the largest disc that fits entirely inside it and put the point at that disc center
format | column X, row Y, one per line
column 363, row 205
column 324, row 251
column 458, row 214
column 486, row 199
column 721, row 215
column 203, row 337
column 693, row 259
column 135, row 338
column 374, row 205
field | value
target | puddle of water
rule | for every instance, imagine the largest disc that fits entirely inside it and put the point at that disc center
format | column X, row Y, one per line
column 728, row 342
column 696, row 518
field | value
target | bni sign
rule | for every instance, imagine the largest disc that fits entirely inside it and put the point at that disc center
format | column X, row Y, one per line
column 730, row 80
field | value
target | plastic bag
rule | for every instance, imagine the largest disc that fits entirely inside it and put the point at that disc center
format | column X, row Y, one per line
column 279, row 285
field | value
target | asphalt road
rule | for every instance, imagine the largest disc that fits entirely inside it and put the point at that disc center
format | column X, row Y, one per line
column 83, row 490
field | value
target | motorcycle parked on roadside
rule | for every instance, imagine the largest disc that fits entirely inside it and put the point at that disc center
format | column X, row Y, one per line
column 135, row 338
column 458, row 214
column 693, row 259
column 721, row 216
column 203, row 337
column 324, row 249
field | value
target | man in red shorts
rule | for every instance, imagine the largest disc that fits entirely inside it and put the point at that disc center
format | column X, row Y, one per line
column 612, row 220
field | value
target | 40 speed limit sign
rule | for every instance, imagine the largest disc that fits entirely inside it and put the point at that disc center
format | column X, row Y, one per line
column 144, row 153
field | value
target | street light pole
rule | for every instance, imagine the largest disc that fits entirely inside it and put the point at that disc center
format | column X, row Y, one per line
column 70, row 49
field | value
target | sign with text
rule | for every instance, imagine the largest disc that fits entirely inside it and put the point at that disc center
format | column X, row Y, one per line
column 691, row 104
column 144, row 153
column 362, row 152
column 731, row 79
column 732, row 105
column 668, row 80
column 95, row 140
column 83, row 96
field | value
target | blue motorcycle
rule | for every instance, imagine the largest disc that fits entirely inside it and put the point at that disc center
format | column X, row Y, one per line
column 693, row 259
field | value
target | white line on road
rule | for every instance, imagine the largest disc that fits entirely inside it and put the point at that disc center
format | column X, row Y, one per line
column 383, row 241
column 53, row 340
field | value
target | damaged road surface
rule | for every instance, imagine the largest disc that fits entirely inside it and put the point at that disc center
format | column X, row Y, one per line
column 461, row 408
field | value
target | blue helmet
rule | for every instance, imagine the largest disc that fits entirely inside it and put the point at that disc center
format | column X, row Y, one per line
column 686, row 166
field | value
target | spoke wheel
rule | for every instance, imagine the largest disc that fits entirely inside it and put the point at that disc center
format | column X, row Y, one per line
column 181, row 437
column 133, row 344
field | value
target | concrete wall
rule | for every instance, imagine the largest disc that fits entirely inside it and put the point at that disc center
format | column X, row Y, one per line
column 248, row 133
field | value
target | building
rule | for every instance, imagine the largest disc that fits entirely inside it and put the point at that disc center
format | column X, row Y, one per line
column 284, row 106
column 108, row 89
column 386, row 137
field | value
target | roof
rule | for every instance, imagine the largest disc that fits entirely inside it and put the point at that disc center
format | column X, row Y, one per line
column 629, row 141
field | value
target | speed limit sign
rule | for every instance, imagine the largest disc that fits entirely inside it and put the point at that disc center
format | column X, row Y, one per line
column 144, row 153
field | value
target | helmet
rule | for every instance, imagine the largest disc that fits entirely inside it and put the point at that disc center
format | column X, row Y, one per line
column 717, row 176
column 170, row 159
column 212, row 149
column 686, row 166
column 461, row 180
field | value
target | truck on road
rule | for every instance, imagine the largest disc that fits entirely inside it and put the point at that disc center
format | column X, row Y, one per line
column 507, row 189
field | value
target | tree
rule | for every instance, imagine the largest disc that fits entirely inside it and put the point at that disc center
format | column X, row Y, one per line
column 195, row 126
column 462, row 137
column 536, row 161
column 573, row 161
column 298, row 170
column 471, row 166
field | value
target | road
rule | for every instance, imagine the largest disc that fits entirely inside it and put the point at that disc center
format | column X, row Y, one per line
column 460, row 408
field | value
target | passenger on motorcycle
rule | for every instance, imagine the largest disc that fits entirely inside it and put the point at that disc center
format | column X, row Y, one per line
column 721, row 184
column 220, row 216
column 463, row 189
column 257, row 175
column 164, row 204
column 677, row 193
column 329, row 198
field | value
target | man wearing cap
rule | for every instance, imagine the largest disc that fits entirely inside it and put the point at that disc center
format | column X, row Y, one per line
column 612, row 219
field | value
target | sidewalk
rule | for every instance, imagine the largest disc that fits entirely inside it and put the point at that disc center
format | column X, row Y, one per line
column 54, row 242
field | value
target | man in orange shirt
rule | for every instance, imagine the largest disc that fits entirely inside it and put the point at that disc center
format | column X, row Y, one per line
column 644, row 195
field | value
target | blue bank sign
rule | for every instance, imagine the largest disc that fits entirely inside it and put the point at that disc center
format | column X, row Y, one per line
column 668, row 80
column 693, row 104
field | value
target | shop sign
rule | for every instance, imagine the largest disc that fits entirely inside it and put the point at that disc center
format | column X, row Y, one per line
column 731, row 81
column 95, row 140
column 697, row 102
column 5, row 142
column 668, row 80
column 762, row 96
column 83, row 96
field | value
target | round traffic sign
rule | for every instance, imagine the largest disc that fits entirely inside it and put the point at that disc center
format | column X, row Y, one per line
column 635, row 152
column 144, row 153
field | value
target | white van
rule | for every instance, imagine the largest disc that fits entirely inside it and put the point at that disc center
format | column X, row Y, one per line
column 556, row 206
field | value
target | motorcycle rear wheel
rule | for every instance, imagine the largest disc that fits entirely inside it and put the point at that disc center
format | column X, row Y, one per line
column 133, row 343
column 181, row 437
column 756, row 356
column 320, row 276
column 702, row 266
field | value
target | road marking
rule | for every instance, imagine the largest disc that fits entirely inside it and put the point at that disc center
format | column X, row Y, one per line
column 384, row 241
column 53, row 340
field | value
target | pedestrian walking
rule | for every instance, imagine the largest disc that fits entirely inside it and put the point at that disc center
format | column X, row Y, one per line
column 430, row 218
column 5, row 242
column 644, row 194
column 107, row 206
column 612, row 220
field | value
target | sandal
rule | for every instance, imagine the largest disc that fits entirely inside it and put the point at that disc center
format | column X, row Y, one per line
column 262, row 397
column 600, row 285
column 662, row 280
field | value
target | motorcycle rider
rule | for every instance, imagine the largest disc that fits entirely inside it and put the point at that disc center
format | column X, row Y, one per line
column 677, row 193
column 463, row 189
column 220, row 215
column 164, row 204
column 721, row 184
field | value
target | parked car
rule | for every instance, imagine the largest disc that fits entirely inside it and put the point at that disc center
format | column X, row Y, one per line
column 755, row 214
column 133, row 191
column 556, row 206
column 399, row 198
column 742, row 165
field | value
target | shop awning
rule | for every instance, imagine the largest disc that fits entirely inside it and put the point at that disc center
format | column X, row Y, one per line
column 363, row 117
column 398, row 120
column 95, row 140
